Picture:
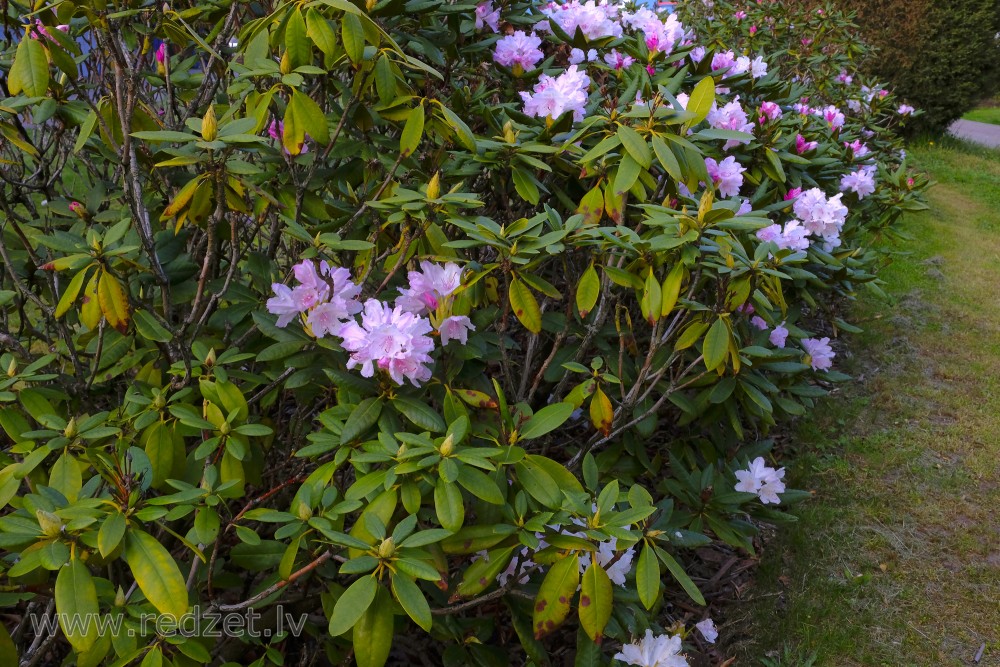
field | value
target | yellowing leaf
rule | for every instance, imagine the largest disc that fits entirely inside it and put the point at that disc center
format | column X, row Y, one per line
column 76, row 605
column 30, row 71
column 413, row 131
column 701, row 100
column 71, row 292
column 114, row 302
column 671, row 289
column 592, row 206
column 90, row 310
column 596, row 601
column 652, row 299
column 587, row 291
column 156, row 573
column 602, row 414
column 716, row 344
column 524, row 305
column 552, row 604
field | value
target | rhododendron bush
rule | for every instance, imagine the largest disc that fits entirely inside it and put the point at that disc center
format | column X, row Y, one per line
column 456, row 327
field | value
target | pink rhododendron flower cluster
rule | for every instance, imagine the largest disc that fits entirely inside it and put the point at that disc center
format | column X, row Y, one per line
column 40, row 30
column 770, row 111
column 328, row 290
column 394, row 340
column 727, row 175
column 803, row 146
column 553, row 96
column 653, row 651
column 778, row 335
column 763, row 480
column 661, row 36
column 594, row 21
column 860, row 182
column 731, row 116
column 858, row 149
column 820, row 215
column 618, row 60
column 793, row 236
column 820, row 353
column 519, row 49
column 833, row 116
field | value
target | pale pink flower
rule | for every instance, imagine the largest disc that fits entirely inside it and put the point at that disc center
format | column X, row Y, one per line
column 456, row 327
column 40, row 30
column 778, row 335
column 553, row 96
column 487, row 16
column 429, row 286
column 727, row 175
column 391, row 339
column 770, row 110
column 758, row 322
column 905, row 110
column 618, row 60
column 761, row 479
column 820, row 353
column 832, row 115
column 653, row 651
column 723, row 60
column 802, row 146
column 821, row 216
column 707, row 630
column 519, row 49
column 861, row 182
column 731, row 116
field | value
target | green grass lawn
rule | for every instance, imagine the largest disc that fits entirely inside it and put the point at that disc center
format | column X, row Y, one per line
column 984, row 115
column 896, row 561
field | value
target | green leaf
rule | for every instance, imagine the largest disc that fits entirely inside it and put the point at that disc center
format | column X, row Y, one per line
column 65, row 476
column 352, row 605
column 545, row 420
column 671, row 289
column 596, row 600
column 449, row 505
column 71, row 292
column 157, row 573
column 552, row 604
column 716, row 344
column 525, row 185
column 385, row 80
column 681, row 576
column 319, row 31
column 652, row 298
column 480, row 485
column 111, row 533
column 538, row 483
column 76, row 605
column 701, row 100
column 524, row 305
column 667, row 159
column 353, row 35
column 587, row 291
column 413, row 131
column 312, row 118
column 30, row 71
column 481, row 574
column 373, row 632
column 413, row 602
column 149, row 328
column 421, row 414
column 296, row 42
column 647, row 577
column 361, row 419
column 628, row 173
column 635, row 145
column 165, row 136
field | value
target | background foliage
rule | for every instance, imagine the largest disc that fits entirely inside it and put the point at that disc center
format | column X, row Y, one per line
column 168, row 446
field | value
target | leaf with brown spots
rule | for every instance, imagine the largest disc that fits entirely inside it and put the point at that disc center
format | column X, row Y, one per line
column 476, row 399
column 524, row 305
column 552, row 604
column 114, row 302
column 592, row 206
column 596, row 601
column 601, row 412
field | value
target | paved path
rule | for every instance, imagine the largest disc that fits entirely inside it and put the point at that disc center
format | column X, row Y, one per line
column 980, row 133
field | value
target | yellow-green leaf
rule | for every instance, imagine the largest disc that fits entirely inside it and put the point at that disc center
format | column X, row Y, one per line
column 320, row 32
column 412, row 601
column 76, row 605
column 671, row 289
column 30, row 71
column 701, row 100
column 716, row 344
column 111, row 533
column 524, row 305
column 482, row 573
column 552, row 604
column 312, row 118
column 647, row 577
column 413, row 131
column 90, row 310
column 602, row 414
column 587, row 291
column 592, row 206
column 353, row 35
column 652, row 298
column 114, row 302
column 156, row 573
column 373, row 632
column 65, row 476
column 449, row 505
column 71, row 292
column 635, row 145
column 596, row 601
column 296, row 43
column 352, row 605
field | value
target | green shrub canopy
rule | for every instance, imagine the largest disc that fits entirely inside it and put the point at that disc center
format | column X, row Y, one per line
column 455, row 327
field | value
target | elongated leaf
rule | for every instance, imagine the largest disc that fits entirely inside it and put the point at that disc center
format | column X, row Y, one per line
column 667, row 159
column 716, row 344
column 671, row 289
column 114, row 302
column 421, row 414
column 652, row 299
column 628, row 173
column 701, row 100
column 312, row 118
column 353, row 35
column 352, row 605
column 413, row 131
column 76, row 605
column 71, row 292
column 681, row 576
column 413, row 602
column 587, row 291
column 524, row 305
column 320, row 32
column 552, row 604
column 635, row 145
column 157, row 573
column 111, row 533
column 296, row 42
column 482, row 573
column 90, row 309
column 596, row 600
column 30, row 71
column 602, row 414
column 361, row 419
column 449, row 505
column 647, row 577
column 545, row 420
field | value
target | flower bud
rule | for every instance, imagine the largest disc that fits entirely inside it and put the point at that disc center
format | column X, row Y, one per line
column 286, row 63
column 120, row 597
column 225, row 428
column 448, row 446
column 159, row 402
column 387, row 548
column 12, row 368
column 209, row 126
column 71, row 430
column 210, row 358
column 304, row 512
column 434, row 187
